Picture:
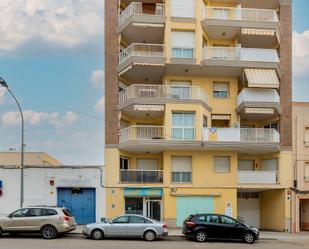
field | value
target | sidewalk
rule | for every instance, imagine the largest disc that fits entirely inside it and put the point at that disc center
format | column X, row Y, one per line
column 264, row 235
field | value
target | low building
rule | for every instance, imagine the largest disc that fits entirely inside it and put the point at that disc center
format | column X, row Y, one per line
column 79, row 188
column 30, row 158
column 301, row 166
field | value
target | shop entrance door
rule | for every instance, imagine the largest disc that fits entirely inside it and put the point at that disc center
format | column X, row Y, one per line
column 154, row 208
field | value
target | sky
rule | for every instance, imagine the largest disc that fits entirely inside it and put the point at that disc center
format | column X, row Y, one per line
column 51, row 55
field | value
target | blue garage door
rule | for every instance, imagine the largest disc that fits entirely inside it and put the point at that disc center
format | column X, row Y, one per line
column 81, row 202
column 192, row 205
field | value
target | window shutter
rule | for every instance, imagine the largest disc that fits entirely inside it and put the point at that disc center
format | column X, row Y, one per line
column 269, row 165
column 245, row 165
column 222, row 164
column 307, row 170
column 147, row 164
column 181, row 164
column 221, row 87
column 183, row 8
column 183, row 39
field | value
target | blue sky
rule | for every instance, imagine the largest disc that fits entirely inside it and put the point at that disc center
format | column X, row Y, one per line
column 51, row 54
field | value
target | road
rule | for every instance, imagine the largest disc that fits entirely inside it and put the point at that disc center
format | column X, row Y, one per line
column 79, row 242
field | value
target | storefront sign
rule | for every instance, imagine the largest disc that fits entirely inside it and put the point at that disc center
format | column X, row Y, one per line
column 143, row 192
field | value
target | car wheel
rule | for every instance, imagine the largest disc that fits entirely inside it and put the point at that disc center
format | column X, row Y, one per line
column 97, row 234
column 200, row 236
column 49, row 232
column 149, row 236
column 249, row 238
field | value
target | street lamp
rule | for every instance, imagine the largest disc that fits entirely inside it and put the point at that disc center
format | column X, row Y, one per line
column 5, row 85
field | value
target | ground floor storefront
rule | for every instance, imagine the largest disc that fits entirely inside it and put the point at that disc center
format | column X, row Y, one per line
column 265, row 209
column 300, row 212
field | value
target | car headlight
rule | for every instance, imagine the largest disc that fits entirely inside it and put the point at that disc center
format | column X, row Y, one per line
column 255, row 230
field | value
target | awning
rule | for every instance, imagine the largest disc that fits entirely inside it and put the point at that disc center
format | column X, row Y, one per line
column 220, row 117
column 265, row 78
column 246, row 31
column 143, row 192
column 259, row 111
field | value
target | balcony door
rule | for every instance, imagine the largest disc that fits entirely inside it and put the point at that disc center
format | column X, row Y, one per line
column 245, row 165
column 183, row 126
column 180, row 90
column 183, row 44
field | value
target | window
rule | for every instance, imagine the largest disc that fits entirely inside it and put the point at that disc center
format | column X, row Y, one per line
column 221, row 90
column 20, row 213
column 183, row 44
column 269, row 165
column 147, row 164
column 212, row 219
column 228, row 221
column 137, row 220
column 121, row 220
column 272, row 126
column 67, row 212
column 124, row 163
column 222, row 164
column 34, row 212
column 307, row 171
column 183, row 8
column 183, row 127
column 245, row 165
column 49, row 212
column 201, row 218
column 307, row 135
column 180, row 90
column 205, row 122
column 181, row 169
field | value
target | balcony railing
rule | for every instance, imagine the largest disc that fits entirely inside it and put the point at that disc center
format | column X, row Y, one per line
column 243, row 14
column 242, row 135
column 258, row 95
column 136, row 8
column 142, row 132
column 162, row 93
column 142, row 50
column 141, row 176
column 257, row 177
column 241, row 54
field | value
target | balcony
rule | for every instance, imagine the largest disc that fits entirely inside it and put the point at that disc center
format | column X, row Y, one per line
column 258, row 103
column 158, row 138
column 142, row 22
column 253, row 27
column 140, row 62
column 139, row 99
column 257, row 177
column 141, row 176
column 230, row 61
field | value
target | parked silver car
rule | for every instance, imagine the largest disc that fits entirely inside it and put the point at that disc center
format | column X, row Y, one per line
column 49, row 221
column 127, row 226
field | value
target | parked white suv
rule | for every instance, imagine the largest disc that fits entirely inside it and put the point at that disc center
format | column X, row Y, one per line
column 49, row 221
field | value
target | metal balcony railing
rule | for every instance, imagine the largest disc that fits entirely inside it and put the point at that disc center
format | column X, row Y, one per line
column 243, row 14
column 257, row 177
column 136, row 8
column 241, row 135
column 141, row 176
column 142, row 50
column 241, row 54
column 142, row 132
column 162, row 92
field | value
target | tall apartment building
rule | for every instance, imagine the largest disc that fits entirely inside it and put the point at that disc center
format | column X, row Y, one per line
column 300, row 205
column 198, row 109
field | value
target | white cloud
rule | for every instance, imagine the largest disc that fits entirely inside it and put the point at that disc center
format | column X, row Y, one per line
column 301, row 54
column 100, row 105
column 65, row 23
column 35, row 118
column 98, row 77
column 2, row 95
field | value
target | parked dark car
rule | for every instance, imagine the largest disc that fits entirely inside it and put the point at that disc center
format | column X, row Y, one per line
column 202, row 227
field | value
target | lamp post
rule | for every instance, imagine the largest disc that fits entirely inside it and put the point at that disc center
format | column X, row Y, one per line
column 5, row 85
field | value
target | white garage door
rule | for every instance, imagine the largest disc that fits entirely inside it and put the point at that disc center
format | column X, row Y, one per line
column 249, row 210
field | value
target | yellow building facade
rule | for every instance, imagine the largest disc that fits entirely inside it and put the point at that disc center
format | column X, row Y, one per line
column 198, row 112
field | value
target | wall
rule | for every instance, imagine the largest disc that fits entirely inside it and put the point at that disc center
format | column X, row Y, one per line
column 30, row 158
column 38, row 191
